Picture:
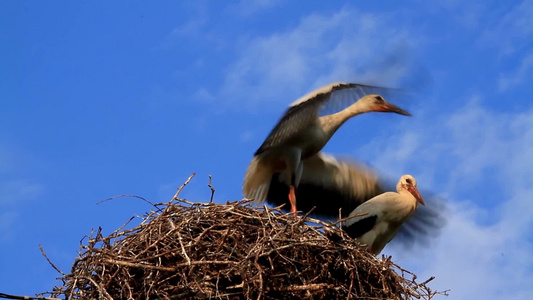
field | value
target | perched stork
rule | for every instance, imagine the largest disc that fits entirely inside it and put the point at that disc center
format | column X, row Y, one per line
column 302, row 132
column 378, row 220
column 329, row 185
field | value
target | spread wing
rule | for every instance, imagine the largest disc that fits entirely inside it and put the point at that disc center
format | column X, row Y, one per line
column 305, row 111
column 425, row 224
column 330, row 184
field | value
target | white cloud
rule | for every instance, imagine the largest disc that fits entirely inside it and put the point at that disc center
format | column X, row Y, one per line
column 7, row 221
column 467, row 14
column 477, row 262
column 513, row 31
column 246, row 136
column 7, row 159
column 485, row 250
column 512, row 35
column 250, row 7
column 481, row 262
column 193, row 27
column 203, row 95
column 322, row 48
column 13, row 191
column 523, row 74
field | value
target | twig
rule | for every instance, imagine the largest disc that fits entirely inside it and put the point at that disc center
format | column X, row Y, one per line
column 8, row 296
column 101, row 290
column 49, row 261
column 350, row 217
column 304, row 218
column 182, row 186
column 122, row 227
column 212, row 189
column 428, row 280
column 168, row 269
column 306, row 287
column 125, row 196
column 180, row 239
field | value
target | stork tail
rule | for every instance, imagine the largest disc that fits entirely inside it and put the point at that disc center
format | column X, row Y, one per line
column 257, row 180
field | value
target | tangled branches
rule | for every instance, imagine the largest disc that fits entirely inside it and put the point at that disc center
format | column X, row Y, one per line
column 232, row 251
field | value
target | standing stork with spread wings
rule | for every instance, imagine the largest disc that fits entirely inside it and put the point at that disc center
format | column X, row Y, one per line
column 302, row 132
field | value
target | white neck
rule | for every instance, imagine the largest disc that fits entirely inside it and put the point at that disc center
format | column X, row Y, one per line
column 407, row 197
column 331, row 123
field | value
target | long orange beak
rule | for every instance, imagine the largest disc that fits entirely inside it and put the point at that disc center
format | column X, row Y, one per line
column 414, row 191
column 387, row 107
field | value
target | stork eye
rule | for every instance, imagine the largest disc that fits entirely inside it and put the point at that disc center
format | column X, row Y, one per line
column 408, row 180
column 379, row 99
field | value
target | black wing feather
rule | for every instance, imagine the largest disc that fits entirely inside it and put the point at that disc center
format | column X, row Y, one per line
column 295, row 119
column 360, row 227
column 329, row 185
column 327, row 201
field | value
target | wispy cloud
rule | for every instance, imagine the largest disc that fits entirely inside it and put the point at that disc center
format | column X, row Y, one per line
column 466, row 14
column 7, row 221
column 13, row 191
column 478, row 262
column 248, row 8
column 513, row 31
column 191, row 28
column 343, row 46
column 246, row 136
column 7, row 159
column 512, row 36
column 522, row 74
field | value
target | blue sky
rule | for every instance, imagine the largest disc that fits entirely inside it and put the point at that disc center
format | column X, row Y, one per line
column 131, row 98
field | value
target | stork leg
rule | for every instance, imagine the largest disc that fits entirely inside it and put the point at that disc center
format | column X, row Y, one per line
column 292, row 200
column 295, row 168
column 295, row 181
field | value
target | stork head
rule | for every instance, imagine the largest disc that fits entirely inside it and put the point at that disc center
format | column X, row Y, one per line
column 408, row 182
column 377, row 103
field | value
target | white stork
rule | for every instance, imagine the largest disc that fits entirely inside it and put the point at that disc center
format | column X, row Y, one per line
column 378, row 220
column 329, row 185
column 302, row 132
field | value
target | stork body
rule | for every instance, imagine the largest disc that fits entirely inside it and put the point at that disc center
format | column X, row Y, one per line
column 329, row 184
column 301, row 133
column 378, row 220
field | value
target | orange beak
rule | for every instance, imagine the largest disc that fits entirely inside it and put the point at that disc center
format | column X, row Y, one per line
column 414, row 191
column 387, row 107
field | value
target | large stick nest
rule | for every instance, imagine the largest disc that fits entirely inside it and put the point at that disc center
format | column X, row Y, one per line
column 232, row 251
